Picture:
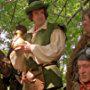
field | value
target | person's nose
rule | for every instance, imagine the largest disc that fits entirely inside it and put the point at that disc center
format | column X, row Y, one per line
column 81, row 70
column 40, row 14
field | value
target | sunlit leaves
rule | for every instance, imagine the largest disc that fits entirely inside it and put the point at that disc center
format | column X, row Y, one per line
column 12, row 12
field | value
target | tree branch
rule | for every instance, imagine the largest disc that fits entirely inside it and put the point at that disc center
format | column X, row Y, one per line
column 77, row 11
column 61, row 10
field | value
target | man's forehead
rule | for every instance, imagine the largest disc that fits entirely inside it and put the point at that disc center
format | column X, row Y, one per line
column 79, row 62
column 86, row 16
column 40, row 9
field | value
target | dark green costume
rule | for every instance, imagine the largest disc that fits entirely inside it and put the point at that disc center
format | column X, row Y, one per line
column 52, row 79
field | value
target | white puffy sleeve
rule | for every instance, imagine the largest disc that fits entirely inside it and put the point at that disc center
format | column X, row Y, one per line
column 52, row 51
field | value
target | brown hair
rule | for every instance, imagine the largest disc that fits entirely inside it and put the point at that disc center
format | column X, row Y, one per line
column 21, row 28
column 86, row 12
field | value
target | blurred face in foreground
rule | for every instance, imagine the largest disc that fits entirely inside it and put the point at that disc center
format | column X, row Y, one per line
column 84, row 70
column 86, row 23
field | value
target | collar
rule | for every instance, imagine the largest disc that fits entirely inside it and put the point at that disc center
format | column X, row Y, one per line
column 84, row 86
column 44, row 26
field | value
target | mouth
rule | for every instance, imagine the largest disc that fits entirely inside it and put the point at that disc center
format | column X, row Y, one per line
column 83, row 76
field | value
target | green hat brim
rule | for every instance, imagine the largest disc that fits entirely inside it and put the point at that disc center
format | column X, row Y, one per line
column 36, row 5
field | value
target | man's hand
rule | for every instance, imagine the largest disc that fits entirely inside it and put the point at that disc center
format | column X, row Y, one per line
column 23, row 48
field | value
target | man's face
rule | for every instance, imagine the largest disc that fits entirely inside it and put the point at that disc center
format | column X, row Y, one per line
column 84, row 70
column 38, row 16
column 86, row 23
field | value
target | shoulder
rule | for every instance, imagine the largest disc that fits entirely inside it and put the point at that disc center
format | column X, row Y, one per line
column 28, row 36
column 61, row 27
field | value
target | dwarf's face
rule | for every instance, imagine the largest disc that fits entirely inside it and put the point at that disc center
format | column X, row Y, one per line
column 84, row 70
column 86, row 23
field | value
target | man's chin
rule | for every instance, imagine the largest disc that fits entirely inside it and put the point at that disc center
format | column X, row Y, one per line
column 85, row 80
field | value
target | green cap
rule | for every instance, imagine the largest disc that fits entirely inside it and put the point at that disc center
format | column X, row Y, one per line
column 35, row 5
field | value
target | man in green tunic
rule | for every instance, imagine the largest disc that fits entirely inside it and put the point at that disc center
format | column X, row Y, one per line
column 47, row 44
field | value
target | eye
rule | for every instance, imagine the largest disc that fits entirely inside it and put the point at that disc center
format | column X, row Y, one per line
column 42, row 12
column 86, row 66
column 35, row 12
column 78, row 67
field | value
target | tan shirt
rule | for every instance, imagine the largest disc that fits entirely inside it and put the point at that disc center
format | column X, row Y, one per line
column 52, row 51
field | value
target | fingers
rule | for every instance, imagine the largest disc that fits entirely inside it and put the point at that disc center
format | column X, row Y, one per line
column 19, row 47
column 25, row 48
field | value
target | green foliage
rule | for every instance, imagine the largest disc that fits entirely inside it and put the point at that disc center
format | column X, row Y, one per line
column 60, row 11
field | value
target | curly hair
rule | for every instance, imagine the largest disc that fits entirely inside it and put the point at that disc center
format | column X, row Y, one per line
column 81, row 55
column 86, row 12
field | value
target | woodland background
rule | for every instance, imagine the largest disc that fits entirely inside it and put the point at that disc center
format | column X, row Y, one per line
column 67, row 12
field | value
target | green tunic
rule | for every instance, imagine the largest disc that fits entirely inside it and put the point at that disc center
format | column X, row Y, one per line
column 52, row 78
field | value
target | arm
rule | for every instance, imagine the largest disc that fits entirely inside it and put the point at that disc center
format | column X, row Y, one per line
column 52, row 51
